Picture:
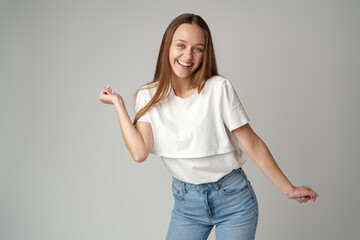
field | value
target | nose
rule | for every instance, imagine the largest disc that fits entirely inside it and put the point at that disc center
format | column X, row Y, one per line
column 187, row 53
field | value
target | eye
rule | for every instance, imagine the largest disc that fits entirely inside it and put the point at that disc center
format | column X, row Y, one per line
column 198, row 49
column 180, row 45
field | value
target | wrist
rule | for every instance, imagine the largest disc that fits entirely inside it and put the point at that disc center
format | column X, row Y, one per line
column 289, row 191
column 119, row 102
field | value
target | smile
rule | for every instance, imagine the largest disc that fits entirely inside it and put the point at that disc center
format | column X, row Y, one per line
column 184, row 64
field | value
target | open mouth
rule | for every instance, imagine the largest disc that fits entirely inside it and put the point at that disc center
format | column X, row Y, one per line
column 184, row 64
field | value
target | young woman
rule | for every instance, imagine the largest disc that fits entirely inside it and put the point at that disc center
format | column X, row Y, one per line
column 193, row 119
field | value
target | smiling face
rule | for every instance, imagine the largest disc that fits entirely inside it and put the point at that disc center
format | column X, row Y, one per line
column 186, row 51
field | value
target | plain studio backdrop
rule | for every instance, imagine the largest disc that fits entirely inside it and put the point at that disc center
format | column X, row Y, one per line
column 64, row 170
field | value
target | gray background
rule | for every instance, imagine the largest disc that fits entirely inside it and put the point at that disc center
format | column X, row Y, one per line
column 65, row 172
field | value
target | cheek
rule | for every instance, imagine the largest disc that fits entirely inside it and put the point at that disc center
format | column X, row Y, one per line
column 199, row 59
column 173, row 51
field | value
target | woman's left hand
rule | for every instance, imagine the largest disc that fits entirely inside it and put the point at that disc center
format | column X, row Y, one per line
column 303, row 194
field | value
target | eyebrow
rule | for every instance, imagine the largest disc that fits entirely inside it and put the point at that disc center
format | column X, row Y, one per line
column 179, row 40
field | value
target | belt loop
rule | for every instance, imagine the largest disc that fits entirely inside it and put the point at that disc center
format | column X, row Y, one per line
column 184, row 187
column 216, row 186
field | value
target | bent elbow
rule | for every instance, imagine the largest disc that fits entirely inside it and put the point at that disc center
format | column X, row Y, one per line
column 139, row 158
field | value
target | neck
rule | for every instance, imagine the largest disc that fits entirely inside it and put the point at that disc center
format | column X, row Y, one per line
column 182, row 86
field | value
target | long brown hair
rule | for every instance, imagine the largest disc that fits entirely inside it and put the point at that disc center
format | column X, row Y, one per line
column 162, row 77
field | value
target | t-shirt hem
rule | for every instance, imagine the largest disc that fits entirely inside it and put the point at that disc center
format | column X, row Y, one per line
column 237, row 125
column 193, row 155
column 143, row 120
column 211, row 178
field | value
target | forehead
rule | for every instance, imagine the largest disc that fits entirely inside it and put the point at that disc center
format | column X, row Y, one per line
column 190, row 33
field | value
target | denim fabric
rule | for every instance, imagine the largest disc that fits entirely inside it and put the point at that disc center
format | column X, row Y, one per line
column 229, row 204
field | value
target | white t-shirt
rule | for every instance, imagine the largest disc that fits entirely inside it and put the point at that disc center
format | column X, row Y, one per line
column 193, row 135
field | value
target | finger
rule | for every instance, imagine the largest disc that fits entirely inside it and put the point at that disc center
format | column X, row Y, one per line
column 302, row 201
column 306, row 199
column 307, row 192
column 312, row 194
column 313, row 198
column 302, row 198
column 109, row 90
column 106, row 92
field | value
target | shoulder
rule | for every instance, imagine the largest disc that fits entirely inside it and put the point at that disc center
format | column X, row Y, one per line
column 143, row 95
column 147, row 91
column 216, row 80
column 216, row 83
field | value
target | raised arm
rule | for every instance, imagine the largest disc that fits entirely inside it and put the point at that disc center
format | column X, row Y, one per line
column 260, row 154
column 138, row 139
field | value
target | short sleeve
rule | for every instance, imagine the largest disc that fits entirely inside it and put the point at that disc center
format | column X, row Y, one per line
column 140, row 102
column 233, row 113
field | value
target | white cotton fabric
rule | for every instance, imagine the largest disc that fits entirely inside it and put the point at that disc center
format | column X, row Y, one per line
column 193, row 135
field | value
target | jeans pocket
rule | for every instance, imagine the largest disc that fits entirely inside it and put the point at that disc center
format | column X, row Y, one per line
column 236, row 184
column 177, row 191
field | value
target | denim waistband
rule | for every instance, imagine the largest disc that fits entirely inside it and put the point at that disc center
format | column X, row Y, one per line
column 202, row 187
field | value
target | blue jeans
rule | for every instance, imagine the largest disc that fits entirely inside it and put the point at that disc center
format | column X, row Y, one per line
column 229, row 204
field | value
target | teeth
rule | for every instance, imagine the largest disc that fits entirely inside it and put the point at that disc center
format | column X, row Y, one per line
column 184, row 64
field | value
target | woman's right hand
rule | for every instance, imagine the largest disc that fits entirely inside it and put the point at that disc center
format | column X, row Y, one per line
column 138, row 139
column 108, row 96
